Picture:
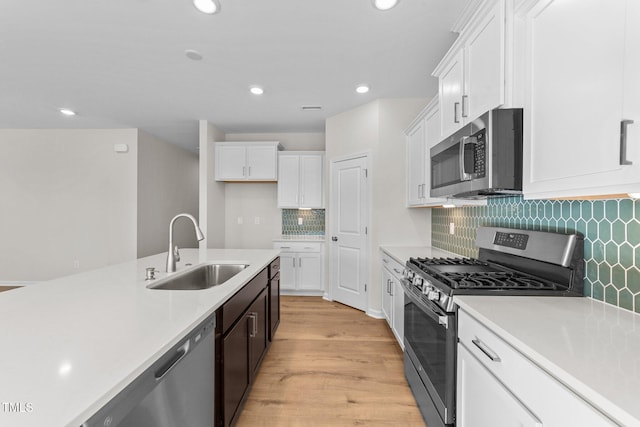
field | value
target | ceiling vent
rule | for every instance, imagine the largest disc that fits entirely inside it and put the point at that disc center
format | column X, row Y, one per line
column 311, row 107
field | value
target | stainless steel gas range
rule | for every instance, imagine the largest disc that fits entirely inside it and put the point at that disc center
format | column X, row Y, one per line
column 510, row 262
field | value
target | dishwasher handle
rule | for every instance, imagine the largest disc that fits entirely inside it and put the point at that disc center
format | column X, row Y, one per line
column 181, row 352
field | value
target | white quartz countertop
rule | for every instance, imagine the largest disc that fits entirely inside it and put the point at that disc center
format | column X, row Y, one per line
column 70, row 345
column 403, row 253
column 591, row 347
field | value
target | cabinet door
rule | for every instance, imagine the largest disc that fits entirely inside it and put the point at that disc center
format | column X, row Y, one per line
column 450, row 92
column 432, row 130
column 573, row 101
column 631, row 107
column 258, row 331
column 230, row 163
column 311, row 178
column 416, row 157
column 397, row 296
column 262, row 163
column 236, row 373
column 288, row 181
column 483, row 401
column 484, row 66
column 309, row 271
column 288, row 267
column 386, row 296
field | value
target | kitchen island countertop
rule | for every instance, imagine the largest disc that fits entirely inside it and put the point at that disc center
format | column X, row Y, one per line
column 69, row 345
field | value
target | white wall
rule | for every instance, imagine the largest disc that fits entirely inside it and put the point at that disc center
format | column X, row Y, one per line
column 378, row 128
column 66, row 196
column 167, row 186
column 252, row 200
column 212, row 193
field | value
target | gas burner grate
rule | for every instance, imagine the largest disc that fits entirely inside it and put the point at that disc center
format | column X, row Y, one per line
column 496, row 280
column 446, row 261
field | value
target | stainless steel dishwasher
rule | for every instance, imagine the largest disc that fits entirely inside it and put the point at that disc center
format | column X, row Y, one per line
column 177, row 390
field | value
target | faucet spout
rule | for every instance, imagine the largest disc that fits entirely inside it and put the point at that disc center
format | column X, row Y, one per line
column 173, row 255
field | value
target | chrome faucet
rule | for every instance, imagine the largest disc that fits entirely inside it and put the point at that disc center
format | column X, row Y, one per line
column 173, row 255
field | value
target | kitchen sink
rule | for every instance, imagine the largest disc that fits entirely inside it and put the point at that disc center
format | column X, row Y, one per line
column 202, row 277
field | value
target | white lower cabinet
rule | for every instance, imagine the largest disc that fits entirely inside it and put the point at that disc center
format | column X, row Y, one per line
column 393, row 297
column 498, row 386
column 300, row 267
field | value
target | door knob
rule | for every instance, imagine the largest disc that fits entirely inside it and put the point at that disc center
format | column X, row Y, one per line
column 334, row 238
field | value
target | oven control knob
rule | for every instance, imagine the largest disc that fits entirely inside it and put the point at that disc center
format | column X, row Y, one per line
column 433, row 296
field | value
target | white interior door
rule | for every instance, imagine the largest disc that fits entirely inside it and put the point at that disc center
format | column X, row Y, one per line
column 349, row 263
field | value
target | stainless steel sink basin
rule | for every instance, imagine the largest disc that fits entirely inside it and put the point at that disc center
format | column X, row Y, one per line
column 202, row 277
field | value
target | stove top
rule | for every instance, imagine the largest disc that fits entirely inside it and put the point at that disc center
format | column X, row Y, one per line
column 510, row 262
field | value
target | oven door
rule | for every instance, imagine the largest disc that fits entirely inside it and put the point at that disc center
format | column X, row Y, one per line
column 430, row 347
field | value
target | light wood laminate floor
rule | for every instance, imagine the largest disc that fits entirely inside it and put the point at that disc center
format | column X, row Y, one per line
column 330, row 365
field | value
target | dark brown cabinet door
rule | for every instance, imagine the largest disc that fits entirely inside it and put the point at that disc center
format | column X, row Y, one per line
column 236, row 368
column 258, row 331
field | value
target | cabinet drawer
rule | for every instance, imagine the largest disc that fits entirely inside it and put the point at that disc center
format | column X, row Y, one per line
column 394, row 267
column 298, row 246
column 237, row 304
column 548, row 399
column 274, row 268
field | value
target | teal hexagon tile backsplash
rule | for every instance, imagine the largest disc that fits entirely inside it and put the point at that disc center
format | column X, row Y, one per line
column 312, row 222
column 611, row 229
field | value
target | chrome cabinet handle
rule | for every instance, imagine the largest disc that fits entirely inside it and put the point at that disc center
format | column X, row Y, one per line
column 465, row 113
column 397, row 271
column 254, row 322
column 391, row 287
column 623, row 142
column 455, row 112
column 386, row 261
column 486, row 350
column 244, row 171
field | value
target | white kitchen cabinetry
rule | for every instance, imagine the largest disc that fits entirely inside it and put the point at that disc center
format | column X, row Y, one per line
column 300, row 178
column 472, row 77
column 393, row 296
column 581, row 91
column 246, row 161
column 498, row 386
column 418, row 158
column 300, row 267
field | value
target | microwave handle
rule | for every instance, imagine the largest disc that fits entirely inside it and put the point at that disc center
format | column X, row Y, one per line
column 464, row 175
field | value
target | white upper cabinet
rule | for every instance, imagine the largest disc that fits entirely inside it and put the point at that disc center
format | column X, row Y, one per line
column 582, row 98
column 472, row 77
column 300, row 180
column 246, row 161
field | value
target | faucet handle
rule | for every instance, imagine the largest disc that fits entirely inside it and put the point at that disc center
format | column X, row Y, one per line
column 176, row 253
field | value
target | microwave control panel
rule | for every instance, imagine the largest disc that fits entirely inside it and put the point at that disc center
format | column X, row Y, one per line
column 480, row 155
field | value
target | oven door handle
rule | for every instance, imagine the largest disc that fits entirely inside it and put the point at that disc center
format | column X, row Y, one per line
column 430, row 310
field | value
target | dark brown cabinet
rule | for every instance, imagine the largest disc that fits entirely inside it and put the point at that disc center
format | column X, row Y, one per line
column 243, row 332
column 274, row 298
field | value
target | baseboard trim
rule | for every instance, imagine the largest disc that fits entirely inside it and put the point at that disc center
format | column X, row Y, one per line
column 376, row 314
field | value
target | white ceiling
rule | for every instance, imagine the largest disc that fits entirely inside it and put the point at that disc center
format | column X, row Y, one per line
column 121, row 63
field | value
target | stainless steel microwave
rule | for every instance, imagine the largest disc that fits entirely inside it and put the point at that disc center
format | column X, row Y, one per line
column 482, row 159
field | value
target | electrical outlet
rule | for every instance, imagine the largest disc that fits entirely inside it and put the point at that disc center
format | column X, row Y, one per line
column 452, row 228
column 256, row 220
column 299, row 221
column 240, row 220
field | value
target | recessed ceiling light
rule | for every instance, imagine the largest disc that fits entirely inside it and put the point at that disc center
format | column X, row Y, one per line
column 384, row 4
column 193, row 54
column 256, row 90
column 207, row 6
column 67, row 112
column 362, row 89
